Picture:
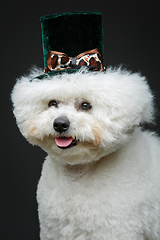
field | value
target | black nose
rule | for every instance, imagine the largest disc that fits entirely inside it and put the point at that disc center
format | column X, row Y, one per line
column 61, row 124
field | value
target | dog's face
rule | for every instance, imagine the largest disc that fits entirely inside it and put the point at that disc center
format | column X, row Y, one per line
column 78, row 118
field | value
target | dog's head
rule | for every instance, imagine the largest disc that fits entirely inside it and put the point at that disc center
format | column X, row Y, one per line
column 81, row 117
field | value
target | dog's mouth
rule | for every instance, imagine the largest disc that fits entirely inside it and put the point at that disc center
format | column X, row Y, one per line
column 65, row 142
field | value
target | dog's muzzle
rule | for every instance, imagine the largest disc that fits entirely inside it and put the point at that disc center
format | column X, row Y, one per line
column 61, row 125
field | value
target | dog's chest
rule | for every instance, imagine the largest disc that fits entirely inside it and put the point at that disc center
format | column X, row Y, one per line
column 83, row 206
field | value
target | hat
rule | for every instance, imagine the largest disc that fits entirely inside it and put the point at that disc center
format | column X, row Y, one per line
column 71, row 41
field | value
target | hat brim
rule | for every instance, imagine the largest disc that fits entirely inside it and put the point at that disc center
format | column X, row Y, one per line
column 68, row 71
column 54, row 73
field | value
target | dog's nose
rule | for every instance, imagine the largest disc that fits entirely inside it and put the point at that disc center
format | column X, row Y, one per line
column 61, row 124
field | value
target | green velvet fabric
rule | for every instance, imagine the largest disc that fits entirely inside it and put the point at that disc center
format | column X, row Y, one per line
column 72, row 33
column 59, row 72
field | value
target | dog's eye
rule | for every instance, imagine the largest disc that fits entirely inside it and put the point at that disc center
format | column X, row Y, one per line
column 85, row 106
column 53, row 103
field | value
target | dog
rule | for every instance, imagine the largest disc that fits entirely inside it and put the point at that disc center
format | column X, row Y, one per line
column 101, row 178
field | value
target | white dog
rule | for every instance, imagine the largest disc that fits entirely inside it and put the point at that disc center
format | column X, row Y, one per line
column 101, row 178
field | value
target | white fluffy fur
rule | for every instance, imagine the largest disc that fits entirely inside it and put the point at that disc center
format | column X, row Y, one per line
column 106, row 187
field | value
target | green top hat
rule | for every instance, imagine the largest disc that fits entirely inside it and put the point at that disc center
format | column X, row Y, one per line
column 68, row 35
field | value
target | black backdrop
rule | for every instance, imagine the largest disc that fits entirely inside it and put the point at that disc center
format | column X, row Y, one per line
column 131, row 37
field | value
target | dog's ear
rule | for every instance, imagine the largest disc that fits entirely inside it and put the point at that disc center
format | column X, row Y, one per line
column 128, row 98
column 23, row 98
column 139, row 99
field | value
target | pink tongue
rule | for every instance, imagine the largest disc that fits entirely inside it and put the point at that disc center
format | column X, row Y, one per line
column 63, row 142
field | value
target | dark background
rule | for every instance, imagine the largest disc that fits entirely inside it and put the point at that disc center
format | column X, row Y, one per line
column 131, row 38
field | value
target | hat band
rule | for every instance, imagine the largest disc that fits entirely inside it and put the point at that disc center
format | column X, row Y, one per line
column 59, row 61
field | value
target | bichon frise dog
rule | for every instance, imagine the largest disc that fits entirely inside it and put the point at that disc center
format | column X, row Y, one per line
column 101, row 178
